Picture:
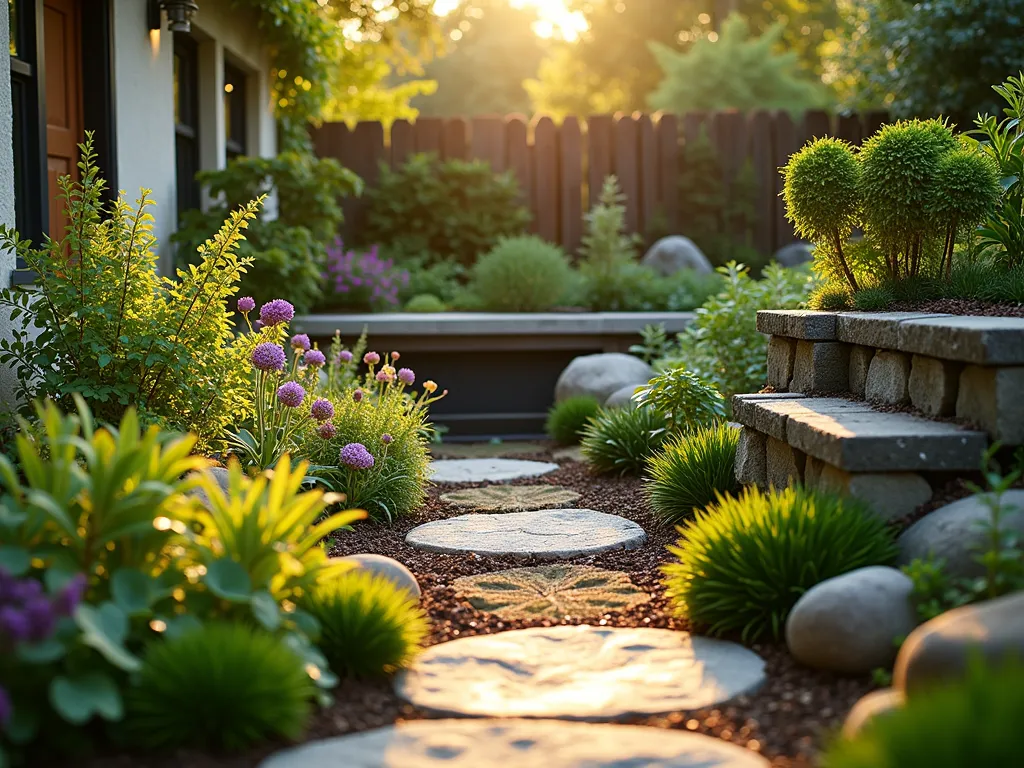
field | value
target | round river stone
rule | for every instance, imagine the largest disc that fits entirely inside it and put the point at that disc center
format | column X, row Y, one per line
column 503, row 743
column 547, row 534
column 487, row 470
column 579, row 673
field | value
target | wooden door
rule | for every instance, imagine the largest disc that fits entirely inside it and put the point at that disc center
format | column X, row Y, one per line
column 62, row 40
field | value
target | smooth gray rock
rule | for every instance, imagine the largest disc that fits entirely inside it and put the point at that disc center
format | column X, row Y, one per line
column 794, row 254
column 941, row 649
column 487, row 470
column 890, row 495
column 849, row 623
column 601, row 375
column 516, row 744
column 868, row 707
column 220, row 474
column 979, row 340
column 579, row 673
column 880, row 330
column 674, row 254
column 934, row 385
column 888, row 378
column 821, row 366
column 993, row 398
column 806, row 324
column 751, row 459
column 951, row 533
column 546, row 534
column 388, row 567
column 622, row 398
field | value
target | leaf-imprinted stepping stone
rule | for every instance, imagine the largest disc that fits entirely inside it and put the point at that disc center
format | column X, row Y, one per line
column 514, row 743
column 579, row 673
column 546, row 534
column 512, row 498
column 550, row 591
column 487, row 470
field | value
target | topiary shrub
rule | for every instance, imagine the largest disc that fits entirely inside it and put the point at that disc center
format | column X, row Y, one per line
column 567, row 419
column 521, row 274
column 621, row 440
column 425, row 303
column 368, row 625
column 971, row 722
column 690, row 472
column 220, row 686
column 743, row 563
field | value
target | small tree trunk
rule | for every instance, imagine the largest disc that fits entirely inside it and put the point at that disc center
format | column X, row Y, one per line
column 842, row 261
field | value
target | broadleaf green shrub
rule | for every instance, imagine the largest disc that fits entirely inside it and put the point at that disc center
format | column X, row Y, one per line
column 742, row 564
column 621, row 440
column 691, row 471
column 521, row 274
column 567, row 419
column 686, row 401
column 425, row 303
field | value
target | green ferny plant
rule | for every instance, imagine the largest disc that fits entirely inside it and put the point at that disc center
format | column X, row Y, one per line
column 686, row 401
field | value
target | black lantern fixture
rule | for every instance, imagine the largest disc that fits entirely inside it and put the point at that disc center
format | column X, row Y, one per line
column 179, row 14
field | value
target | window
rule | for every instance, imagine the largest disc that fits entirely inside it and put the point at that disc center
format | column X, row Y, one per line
column 234, row 111
column 186, row 122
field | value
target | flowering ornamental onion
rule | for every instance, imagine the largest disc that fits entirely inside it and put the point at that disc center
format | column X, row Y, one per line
column 357, row 395
column 291, row 394
column 268, row 357
column 6, row 708
column 386, row 439
column 28, row 614
column 394, row 356
column 322, row 410
column 326, row 431
column 315, row 358
column 371, row 358
column 300, row 341
column 430, row 386
column 406, row 376
column 246, row 304
column 356, row 456
column 345, row 356
column 276, row 312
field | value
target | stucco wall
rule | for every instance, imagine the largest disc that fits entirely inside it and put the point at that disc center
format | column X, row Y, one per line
column 6, row 187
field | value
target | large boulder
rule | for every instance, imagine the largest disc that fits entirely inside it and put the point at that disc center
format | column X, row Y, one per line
column 601, row 375
column 221, row 475
column 849, row 623
column 388, row 568
column 940, row 649
column 952, row 533
column 794, row 254
column 622, row 398
column 674, row 254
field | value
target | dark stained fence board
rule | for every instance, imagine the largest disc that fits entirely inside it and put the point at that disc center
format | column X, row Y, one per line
column 362, row 153
column 545, row 178
column 730, row 139
column 626, row 167
column 517, row 157
column 693, row 122
column 786, row 141
column 570, row 180
column 403, row 142
column 848, row 128
column 428, row 132
column 329, row 140
column 455, row 144
column 760, row 132
column 487, row 141
column 648, row 160
column 667, row 130
column 817, row 124
column 600, row 154
column 873, row 121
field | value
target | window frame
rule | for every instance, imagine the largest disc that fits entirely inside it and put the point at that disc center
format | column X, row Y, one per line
column 187, row 157
column 235, row 111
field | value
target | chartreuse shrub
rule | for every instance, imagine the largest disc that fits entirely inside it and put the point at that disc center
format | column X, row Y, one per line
column 442, row 209
column 105, row 325
column 220, row 686
column 521, row 274
column 568, row 418
column 368, row 625
column 690, row 472
column 973, row 721
column 742, row 563
column 621, row 440
column 425, row 303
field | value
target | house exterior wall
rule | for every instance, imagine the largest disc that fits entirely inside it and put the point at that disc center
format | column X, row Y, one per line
column 7, row 259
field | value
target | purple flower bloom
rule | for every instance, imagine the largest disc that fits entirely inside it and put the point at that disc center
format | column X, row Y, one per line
column 357, row 395
column 291, row 394
column 268, row 357
column 386, row 439
column 69, row 598
column 41, row 620
column 345, row 356
column 246, row 304
column 315, row 358
column 326, row 431
column 322, row 410
column 356, row 456
column 406, row 376
column 14, row 623
column 382, row 375
column 371, row 358
column 5, row 707
column 276, row 312
column 300, row 341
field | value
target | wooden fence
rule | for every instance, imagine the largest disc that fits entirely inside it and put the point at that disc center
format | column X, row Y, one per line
column 560, row 167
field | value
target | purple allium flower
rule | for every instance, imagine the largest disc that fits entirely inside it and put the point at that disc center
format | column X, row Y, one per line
column 65, row 603
column 291, row 394
column 5, row 707
column 41, row 620
column 406, row 376
column 14, row 623
column 356, row 456
column 386, row 439
column 315, row 358
column 276, row 312
column 357, row 395
column 322, row 409
column 246, row 304
column 300, row 341
column 326, row 430
column 371, row 358
column 394, row 356
column 382, row 375
column 268, row 357
column 345, row 356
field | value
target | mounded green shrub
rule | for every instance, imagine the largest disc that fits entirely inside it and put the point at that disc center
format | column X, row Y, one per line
column 368, row 625
column 221, row 686
column 687, row 401
column 567, row 419
column 743, row 563
column 425, row 302
column 621, row 440
column 690, row 472
column 521, row 274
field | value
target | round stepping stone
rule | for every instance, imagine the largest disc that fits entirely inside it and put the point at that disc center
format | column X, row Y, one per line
column 487, row 470
column 504, row 743
column 550, row 591
column 512, row 498
column 483, row 450
column 547, row 534
column 579, row 673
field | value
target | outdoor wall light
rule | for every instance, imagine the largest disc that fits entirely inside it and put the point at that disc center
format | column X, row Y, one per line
column 179, row 14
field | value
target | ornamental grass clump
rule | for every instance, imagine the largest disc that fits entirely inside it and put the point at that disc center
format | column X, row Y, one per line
column 566, row 419
column 743, row 563
column 621, row 440
column 692, row 471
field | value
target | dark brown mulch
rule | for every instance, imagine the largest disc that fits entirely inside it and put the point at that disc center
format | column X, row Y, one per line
column 787, row 720
column 960, row 307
